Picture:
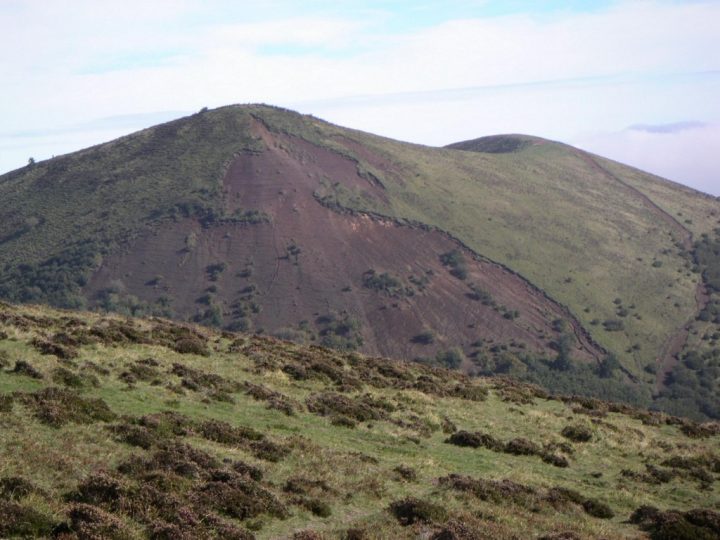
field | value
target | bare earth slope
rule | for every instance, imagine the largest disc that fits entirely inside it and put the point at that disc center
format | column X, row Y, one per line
column 309, row 262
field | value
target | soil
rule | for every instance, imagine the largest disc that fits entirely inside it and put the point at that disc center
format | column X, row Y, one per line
column 324, row 275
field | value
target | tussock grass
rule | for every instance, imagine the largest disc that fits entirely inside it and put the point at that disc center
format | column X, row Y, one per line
column 142, row 459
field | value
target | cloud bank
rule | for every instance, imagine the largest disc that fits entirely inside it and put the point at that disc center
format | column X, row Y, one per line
column 570, row 75
column 685, row 152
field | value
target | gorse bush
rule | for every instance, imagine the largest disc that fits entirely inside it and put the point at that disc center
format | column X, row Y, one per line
column 456, row 262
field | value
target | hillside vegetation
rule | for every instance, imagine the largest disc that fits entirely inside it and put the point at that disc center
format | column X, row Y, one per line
column 121, row 428
column 508, row 254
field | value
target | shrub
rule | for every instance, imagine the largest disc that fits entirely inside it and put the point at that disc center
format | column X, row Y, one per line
column 51, row 348
column 597, row 509
column 424, row 338
column 136, row 435
column 197, row 380
column 25, row 368
column 343, row 421
column 215, row 270
column 22, row 521
column 88, row 521
column 411, row 510
column 191, row 346
column 224, row 433
column 98, row 489
column 57, row 407
column 555, row 459
column 406, row 473
column 475, row 440
column 498, row 492
column 13, row 488
column 318, row 507
column 66, row 377
column 269, row 451
column 240, row 498
column 456, row 262
column 577, row 433
column 559, row 497
column 674, row 525
column 452, row 358
column 522, row 447
column 383, row 283
column 613, row 325
column 361, row 408
column 6, row 403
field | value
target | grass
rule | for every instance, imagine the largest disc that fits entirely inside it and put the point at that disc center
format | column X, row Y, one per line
column 339, row 477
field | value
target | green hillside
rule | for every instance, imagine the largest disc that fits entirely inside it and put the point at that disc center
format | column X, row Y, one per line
column 618, row 248
column 122, row 428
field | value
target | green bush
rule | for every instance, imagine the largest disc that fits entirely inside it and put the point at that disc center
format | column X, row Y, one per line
column 452, row 358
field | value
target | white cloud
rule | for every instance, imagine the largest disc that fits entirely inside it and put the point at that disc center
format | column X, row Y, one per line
column 444, row 82
column 688, row 155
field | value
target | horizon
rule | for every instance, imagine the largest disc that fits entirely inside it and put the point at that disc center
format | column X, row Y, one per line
column 631, row 81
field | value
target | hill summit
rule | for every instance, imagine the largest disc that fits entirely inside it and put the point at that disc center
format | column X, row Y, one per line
column 505, row 255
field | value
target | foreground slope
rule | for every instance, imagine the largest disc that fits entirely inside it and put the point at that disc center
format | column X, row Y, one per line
column 520, row 256
column 120, row 428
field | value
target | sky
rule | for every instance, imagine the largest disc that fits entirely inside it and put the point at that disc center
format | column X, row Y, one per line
column 637, row 81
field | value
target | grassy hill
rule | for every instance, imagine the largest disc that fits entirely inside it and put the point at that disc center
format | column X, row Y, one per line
column 507, row 254
column 122, row 428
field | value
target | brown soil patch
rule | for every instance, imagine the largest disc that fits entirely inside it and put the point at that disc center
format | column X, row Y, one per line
column 325, row 270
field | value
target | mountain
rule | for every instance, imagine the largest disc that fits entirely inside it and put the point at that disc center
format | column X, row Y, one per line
column 508, row 255
column 116, row 427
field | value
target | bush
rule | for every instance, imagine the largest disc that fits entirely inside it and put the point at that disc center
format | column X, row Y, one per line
column 318, row 507
column 522, row 447
column 407, row 474
column 25, row 368
column 66, row 377
column 577, row 433
column 613, row 325
column 475, row 440
column 13, row 488
column 495, row 491
column 6, row 403
column 555, row 459
column 597, row 509
column 383, row 283
column 57, row 407
column 424, row 338
column 451, row 359
column 409, row 511
column 360, row 409
column 22, row 521
column 456, row 262
column 191, row 346
column 674, row 525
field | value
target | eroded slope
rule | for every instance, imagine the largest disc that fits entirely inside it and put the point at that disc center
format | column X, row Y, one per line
column 386, row 287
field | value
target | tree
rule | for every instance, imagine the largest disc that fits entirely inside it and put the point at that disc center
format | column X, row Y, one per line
column 607, row 365
column 452, row 358
column 564, row 346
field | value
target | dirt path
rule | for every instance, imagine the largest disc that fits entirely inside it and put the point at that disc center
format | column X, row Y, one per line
column 667, row 359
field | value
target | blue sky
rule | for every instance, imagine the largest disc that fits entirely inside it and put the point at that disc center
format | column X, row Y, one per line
column 584, row 72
